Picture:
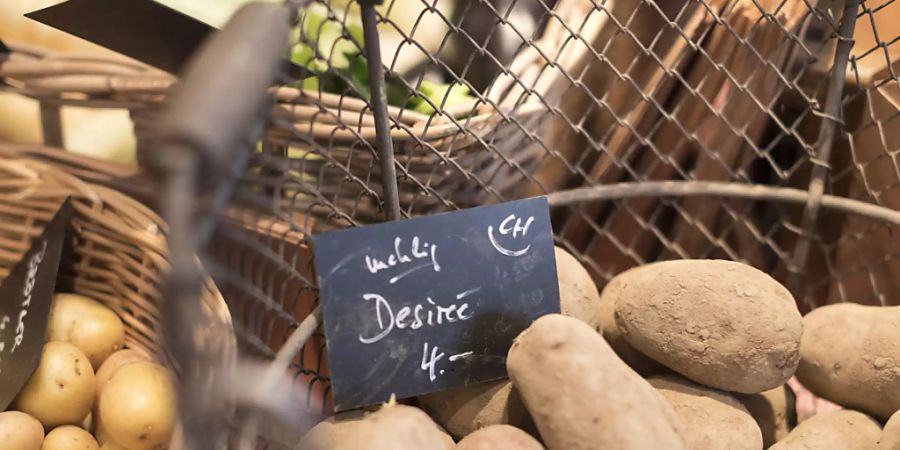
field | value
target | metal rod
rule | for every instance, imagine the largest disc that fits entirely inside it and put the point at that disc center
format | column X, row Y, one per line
column 181, row 309
column 724, row 189
column 831, row 119
column 276, row 370
column 379, row 109
column 51, row 124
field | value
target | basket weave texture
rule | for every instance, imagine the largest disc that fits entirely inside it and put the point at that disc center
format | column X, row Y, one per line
column 118, row 244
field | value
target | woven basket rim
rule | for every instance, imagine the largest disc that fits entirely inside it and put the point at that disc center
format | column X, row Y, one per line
column 123, row 83
column 114, row 210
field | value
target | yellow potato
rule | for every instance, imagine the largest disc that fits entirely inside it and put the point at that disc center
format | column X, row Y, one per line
column 69, row 437
column 137, row 408
column 87, row 324
column 19, row 431
column 114, row 362
column 61, row 390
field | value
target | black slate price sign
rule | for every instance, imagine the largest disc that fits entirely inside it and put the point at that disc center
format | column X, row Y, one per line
column 145, row 30
column 25, row 298
column 433, row 303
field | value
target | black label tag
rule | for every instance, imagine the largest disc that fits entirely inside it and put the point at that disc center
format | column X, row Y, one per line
column 25, row 298
column 142, row 29
column 145, row 30
column 428, row 304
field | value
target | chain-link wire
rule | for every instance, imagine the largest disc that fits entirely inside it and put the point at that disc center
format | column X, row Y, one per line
column 671, row 111
column 575, row 94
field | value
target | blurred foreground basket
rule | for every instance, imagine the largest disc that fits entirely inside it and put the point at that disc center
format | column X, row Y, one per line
column 119, row 250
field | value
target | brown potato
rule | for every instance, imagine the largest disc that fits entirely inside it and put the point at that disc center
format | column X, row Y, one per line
column 61, row 390
column 606, row 309
column 19, row 431
column 69, row 437
column 87, row 324
column 137, row 407
column 464, row 410
column 775, row 411
column 890, row 435
column 578, row 296
column 834, row 430
column 328, row 433
column 114, row 362
column 581, row 395
column 719, row 323
column 710, row 419
column 392, row 427
column 859, row 366
column 497, row 437
column 334, row 430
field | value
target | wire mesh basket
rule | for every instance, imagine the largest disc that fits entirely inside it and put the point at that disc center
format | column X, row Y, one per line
column 755, row 131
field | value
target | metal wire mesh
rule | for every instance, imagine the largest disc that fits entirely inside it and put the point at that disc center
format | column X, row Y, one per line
column 582, row 93
column 567, row 94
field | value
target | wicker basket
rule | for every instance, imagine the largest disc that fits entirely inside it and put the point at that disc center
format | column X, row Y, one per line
column 329, row 136
column 119, row 249
column 550, row 123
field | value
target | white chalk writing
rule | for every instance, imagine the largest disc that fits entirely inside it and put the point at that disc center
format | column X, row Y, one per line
column 418, row 251
column 510, row 226
column 430, row 313
column 429, row 361
column 33, row 264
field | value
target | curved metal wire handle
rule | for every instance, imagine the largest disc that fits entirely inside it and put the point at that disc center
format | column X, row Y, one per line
column 204, row 142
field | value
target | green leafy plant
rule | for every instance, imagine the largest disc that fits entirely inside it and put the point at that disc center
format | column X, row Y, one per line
column 331, row 50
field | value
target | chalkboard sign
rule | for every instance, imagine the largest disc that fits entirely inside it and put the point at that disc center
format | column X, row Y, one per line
column 25, row 299
column 428, row 304
column 145, row 30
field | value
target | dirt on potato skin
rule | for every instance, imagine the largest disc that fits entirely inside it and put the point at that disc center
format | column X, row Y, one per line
column 464, row 410
column 606, row 319
column 495, row 437
column 775, row 411
column 890, row 435
column 834, row 430
column 581, row 395
column 578, row 295
column 850, row 355
column 719, row 323
column 710, row 419
column 391, row 427
column 394, row 427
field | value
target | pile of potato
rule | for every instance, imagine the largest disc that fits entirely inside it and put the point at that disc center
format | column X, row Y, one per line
column 89, row 392
column 689, row 354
